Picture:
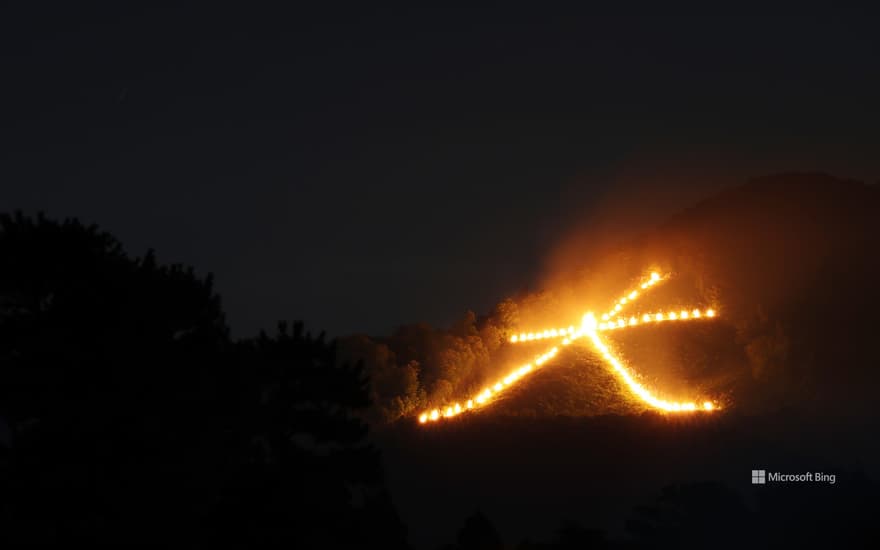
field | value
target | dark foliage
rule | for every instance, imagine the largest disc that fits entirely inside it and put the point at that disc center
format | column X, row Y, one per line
column 297, row 462
column 131, row 417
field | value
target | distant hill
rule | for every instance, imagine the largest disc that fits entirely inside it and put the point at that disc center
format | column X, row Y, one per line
column 790, row 262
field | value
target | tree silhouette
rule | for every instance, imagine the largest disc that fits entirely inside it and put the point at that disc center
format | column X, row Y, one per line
column 131, row 416
column 300, row 472
column 102, row 359
column 478, row 533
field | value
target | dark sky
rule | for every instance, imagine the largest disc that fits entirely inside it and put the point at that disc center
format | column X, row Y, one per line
column 362, row 168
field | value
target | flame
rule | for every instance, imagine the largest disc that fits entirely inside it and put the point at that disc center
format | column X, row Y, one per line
column 658, row 317
column 611, row 318
column 541, row 335
column 591, row 328
column 486, row 395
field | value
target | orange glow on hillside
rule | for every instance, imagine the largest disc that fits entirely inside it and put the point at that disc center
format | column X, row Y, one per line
column 489, row 393
column 591, row 327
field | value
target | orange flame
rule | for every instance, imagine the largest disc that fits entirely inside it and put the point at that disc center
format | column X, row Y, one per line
column 590, row 327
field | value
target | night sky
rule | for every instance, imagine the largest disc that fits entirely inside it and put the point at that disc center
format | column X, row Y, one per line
column 360, row 168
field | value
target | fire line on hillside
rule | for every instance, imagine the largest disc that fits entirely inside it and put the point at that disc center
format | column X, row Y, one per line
column 591, row 327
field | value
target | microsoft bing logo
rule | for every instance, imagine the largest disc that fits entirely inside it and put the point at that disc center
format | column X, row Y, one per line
column 759, row 477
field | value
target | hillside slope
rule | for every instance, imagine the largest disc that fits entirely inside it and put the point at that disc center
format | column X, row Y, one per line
column 789, row 261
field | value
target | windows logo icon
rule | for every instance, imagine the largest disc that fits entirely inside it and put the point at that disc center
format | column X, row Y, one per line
column 759, row 477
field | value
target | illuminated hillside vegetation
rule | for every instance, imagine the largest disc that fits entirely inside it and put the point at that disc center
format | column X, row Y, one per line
column 791, row 259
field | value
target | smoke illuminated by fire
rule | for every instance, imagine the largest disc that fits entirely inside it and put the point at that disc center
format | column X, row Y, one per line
column 591, row 327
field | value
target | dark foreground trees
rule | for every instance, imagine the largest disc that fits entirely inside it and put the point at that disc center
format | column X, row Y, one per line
column 299, row 472
column 128, row 414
